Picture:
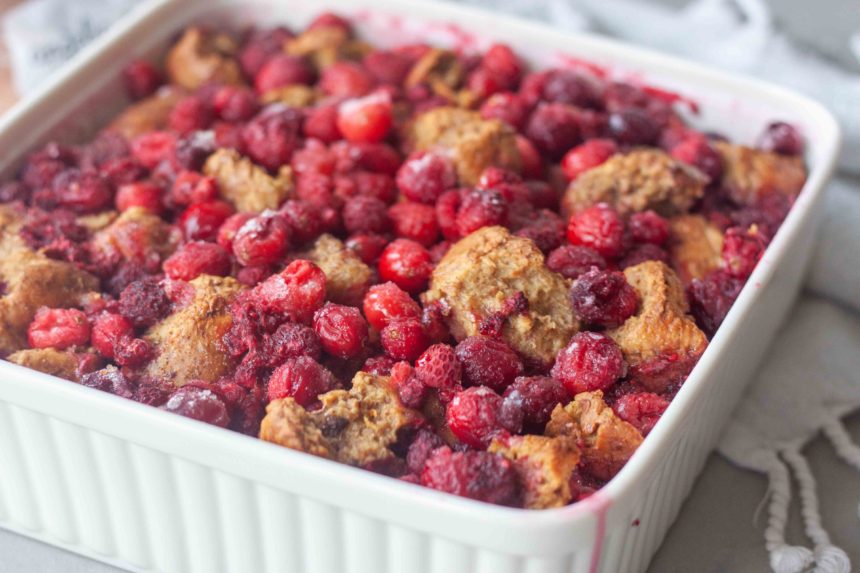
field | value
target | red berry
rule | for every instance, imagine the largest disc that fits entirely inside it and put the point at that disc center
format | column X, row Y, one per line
column 438, row 367
column 366, row 119
column 109, row 329
column 190, row 114
column 304, row 221
column 603, row 298
column 82, row 191
column 783, row 138
column 290, row 341
column 271, row 137
column 446, row 214
column 742, row 249
column 711, row 298
column 697, row 151
column 424, row 176
column 139, row 194
column 321, row 123
column 587, row 156
column 600, row 228
column 191, row 187
column 481, row 208
column 363, row 214
column 642, row 409
column 475, row 417
column 200, row 221
column 314, row 156
column 235, row 103
column 367, row 246
column 554, row 129
column 297, row 291
column 504, row 65
column 197, row 258
column 200, row 404
column 571, row 87
column 361, row 156
column 546, row 229
column 341, row 330
column 260, row 47
column 282, row 70
column 537, row 396
column 330, row 20
column 366, row 184
column 488, row 362
column 571, row 261
column 420, row 449
column 530, row 158
column 633, row 126
column 302, row 379
column 58, row 328
column 385, row 302
column 262, row 240
column 476, row 475
column 641, row 253
column 591, row 361
column 152, row 147
column 507, row 107
column 404, row 338
column 379, row 365
column 415, row 221
column 141, row 79
column 133, row 352
column 407, row 264
column 144, row 302
column 648, row 227
column 346, row 79
column 228, row 229
column 387, row 67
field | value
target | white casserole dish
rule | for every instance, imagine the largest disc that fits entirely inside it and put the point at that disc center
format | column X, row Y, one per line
column 151, row 491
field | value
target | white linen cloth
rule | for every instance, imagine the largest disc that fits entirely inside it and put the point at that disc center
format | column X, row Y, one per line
column 812, row 376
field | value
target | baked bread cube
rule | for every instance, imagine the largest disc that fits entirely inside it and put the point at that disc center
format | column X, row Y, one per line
column 606, row 441
column 62, row 363
column 325, row 45
column 635, row 181
column 247, row 185
column 695, row 246
column 149, row 114
column 136, row 236
column 483, row 271
column 347, row 277
column 201, row 57
column 749, row 174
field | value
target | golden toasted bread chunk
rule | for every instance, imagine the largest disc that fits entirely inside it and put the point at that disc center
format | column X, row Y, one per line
column 187, row 342
column 296, row 95
column 473, row 143
column 749, row 173
column 356, row 426
column 484, row 270
column 201, row 57
column 62, row 363
column 443, row 72
column 606, row 441
column 695, row 246
column 135, row 235
column 247, row 185
column 325, row 45
column 635, row 181
column 347, row 277
column 544, row 465
column 149, row 114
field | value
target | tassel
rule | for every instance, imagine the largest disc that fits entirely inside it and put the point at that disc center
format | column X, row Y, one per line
column 843, row 444
column 784, row 558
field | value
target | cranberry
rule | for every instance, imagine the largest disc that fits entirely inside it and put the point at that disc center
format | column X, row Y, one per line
column 633, row 127
column 235, row 103
column 363, row 214
column 346, row 79
column 228, row 229
column 554, row 129
column 314, row 156
column 407, row 264
column 200, row 221
column 583, row 485
column 363, row 156
column 475, row 418
column 280, row 71
column 600, row 228
column 200, row 404
column 488, row 362
column 571, row 87
column 13, row 191
column 191, row 187
column 109, row 380
column 144, row 302
column 641, row 409
column 641, row 253
column 422, row 446
column 415, row 221
column 530, row 158
column 366, row 119
column 366, row 184
column 438, row 367
column 503, row 65
column 742, row 249
column 133, row 352
column 141, row 79
column 587, row 156
column 697, row 151
column 571, row 261
column 446, row 214
column 482, row 83
column 476, row 475
column 197, row 258
column 603, row 298
column 296, row 292
column 139, row 194
column 263, row 240
column 331, row 20
column 341, row 329
column 321, row 123
column 404, row 338
column 190, row 114
column 387, row 67
column 648, row 227
column 271, row 137
column 385, row 302
column 304, row 222
column 82, row 191
column 537, row 396
column 58, row 328
column 591, row 361
column 260, row 47
column 410, row 389
column 228, row 135
column 379, row 365
column 291, row 340
column 367, row 246
column 433, row 318
column 302, row 379
column 250, row 276
column 481, row 208
column 546, row 230
column 424, row 176
column 109, row 329
column 783, row 138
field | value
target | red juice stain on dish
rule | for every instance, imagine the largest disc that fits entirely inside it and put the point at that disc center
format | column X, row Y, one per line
column 598, row 503
column 567, row 61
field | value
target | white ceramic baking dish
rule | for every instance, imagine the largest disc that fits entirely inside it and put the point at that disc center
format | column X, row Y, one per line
column 151, row 491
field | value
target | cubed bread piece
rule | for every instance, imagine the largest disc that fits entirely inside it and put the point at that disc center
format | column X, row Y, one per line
column 137, row 236
column 97, row 221
column 149, row 114
column 635, row 181
column 325, row 45
column 606, row 441
column 695, row 246
column 661, row 342
column 201, row 57
column 473, row 143
column 295, row 95
column 62, row 363
column 750, row 173
column 347, row 277
column 443, row 72
column 187, row 342
column 247, row 185
column 356, row 426
column 31, row 281
column 484, row 270
column 544, row 465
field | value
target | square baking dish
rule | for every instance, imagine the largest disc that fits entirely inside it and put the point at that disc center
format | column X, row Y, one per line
column 150, row 491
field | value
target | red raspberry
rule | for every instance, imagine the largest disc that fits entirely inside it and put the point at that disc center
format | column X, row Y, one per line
column 507, row 107
column 321, row 123
column 366, row 184
column 537, row 396
column 58, row 328
column 341, row 330
column 642, row 409
column 641, row 253
column 191, row 187
column 446, row 214
column 648, row 227
column 415, row 221
column 782, row 138
column 304, row 222
column 587, row 156
column 367, row 246
column 200, row 404
column 385, row 302
column 190, row 114
column 603, row 298
column 571, row 261
column 144, row 302
column 228, row 229
column 133, row 352
column 475, row 417
column 591, row 361
column 424, row 176
column 82, row 191
column 633, row 126
column 361, row 156
column 235, row 103
column 109, row 329
column 296, row 292
column 476, row 475
column 554, row 129
column 260, row 46
column 404, row 338
column 422, row 446
column 697, row 151
column 271, row 137
column 263, row 240
column 362, row 214
column 387, row 67
column 366, row 119
column 200, row 221
column 488, row 362
column 481, row 208
column 139, row 194
column 742, row 249
column 438, row 367
column 291, row 341
column 302, row 379
column 346, row 80
column 407, row 264
column 571, row 87
column 410, row 390
column 141, row 79
column 600, row 228
column 197, row 258
column 282, row 70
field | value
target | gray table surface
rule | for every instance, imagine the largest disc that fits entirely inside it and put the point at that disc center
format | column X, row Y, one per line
column 715, row 531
